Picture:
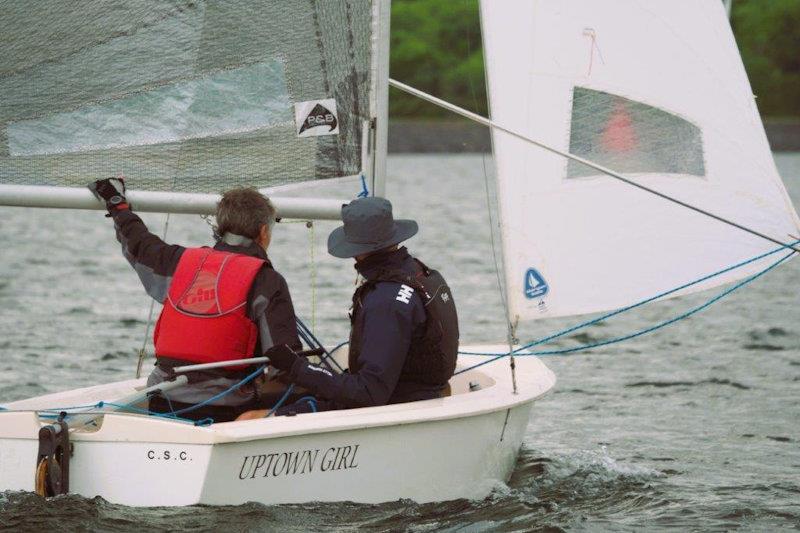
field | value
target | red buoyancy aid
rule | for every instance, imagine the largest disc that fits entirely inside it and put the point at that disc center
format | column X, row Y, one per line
column 204, row 319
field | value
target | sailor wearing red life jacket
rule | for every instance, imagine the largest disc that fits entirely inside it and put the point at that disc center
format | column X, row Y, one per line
column 204, row 319
column 220, row 304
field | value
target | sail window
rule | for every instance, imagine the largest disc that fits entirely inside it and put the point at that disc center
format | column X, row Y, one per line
column 233, row 101
column 631, row 137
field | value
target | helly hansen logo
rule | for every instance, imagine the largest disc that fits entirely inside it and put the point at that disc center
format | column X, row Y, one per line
column 405, row 294
column 319, row 369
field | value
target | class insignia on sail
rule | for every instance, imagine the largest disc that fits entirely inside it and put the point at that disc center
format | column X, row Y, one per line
column 320, row 120
column 535, row 285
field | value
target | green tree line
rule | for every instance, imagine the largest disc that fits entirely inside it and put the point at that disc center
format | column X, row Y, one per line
column 436, row 47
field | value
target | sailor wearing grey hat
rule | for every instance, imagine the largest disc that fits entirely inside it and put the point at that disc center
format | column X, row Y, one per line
column 368, row 227
column 404, row 336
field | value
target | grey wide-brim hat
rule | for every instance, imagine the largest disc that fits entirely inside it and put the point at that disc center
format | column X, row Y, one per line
column 368, row 227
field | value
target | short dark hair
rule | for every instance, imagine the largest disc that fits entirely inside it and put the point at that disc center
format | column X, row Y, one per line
column 243, row 211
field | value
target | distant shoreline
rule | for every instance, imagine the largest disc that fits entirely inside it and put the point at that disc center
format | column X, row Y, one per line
column 419, row 136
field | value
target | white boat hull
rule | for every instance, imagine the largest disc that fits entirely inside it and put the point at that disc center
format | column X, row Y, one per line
column 455, row 447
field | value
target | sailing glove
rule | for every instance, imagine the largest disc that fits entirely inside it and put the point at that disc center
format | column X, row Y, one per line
column 281, row 357
column 112, row 191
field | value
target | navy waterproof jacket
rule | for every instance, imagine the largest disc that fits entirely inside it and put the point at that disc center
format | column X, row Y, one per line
column 390, row 325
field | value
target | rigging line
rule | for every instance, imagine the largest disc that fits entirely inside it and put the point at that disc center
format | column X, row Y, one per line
column 235, row 386
column 314, row 342
column 123, row 410
column 656, row 297
column 611, row 314
column 487, row 189
column 313, row 267
column 487, row 122
column 510, row 326
column 281, row 401
column 143, row 350
column 660, row 325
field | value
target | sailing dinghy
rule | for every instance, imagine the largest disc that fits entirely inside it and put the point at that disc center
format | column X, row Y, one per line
column 273, row 94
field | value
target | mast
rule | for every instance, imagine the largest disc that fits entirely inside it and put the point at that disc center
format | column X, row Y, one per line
column 379, row 128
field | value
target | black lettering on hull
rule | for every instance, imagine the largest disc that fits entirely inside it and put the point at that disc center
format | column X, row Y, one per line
column 299, row 462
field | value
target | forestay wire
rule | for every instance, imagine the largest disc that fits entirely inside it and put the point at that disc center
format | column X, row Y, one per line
column 143, row 350
column 510, row 326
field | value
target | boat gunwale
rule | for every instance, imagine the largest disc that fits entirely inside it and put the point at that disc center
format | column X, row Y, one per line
column 534, row 380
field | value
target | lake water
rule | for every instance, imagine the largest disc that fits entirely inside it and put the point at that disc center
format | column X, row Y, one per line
column 694, row 427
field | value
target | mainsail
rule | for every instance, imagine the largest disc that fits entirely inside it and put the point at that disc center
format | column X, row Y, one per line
column 189, row 96
column 655, row 91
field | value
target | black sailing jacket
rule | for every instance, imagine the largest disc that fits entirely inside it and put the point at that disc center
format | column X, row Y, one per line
column 269, row 303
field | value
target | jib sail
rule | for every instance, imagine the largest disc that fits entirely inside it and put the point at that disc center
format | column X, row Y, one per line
column 655, row 91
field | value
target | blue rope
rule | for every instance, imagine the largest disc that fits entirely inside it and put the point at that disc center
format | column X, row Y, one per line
column 172, row 414
column 138, row 410
column 72, row 408
column 55, row 413
column 641, row 303
column 222, row 394
column 364, row 190
column 277, row 405
column 311, row 339
column 311, row 401
column 639, row 333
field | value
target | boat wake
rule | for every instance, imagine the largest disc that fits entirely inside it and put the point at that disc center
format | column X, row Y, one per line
column 547, row 492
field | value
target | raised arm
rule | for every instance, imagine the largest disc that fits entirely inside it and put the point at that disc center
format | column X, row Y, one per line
column 153, row 260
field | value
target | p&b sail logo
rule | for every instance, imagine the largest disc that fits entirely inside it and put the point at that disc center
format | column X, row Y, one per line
column 535, row 285
column 316, row 117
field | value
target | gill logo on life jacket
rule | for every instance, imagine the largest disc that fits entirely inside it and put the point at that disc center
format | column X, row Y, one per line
column 201, row 297
column 405, row 293
column 535, row 285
